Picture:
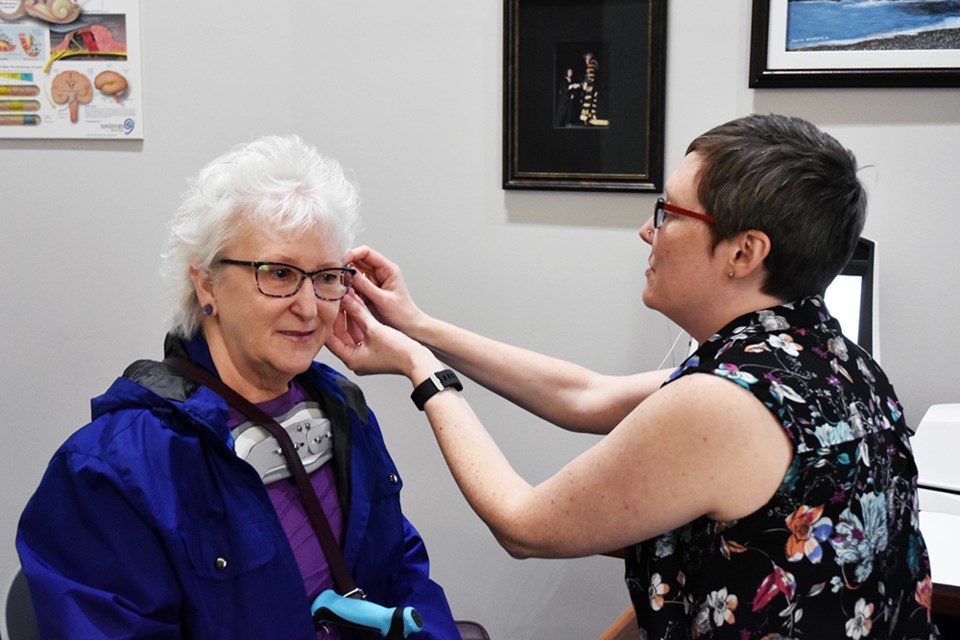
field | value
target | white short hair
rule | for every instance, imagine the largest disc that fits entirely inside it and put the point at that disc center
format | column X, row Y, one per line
column 277, row 183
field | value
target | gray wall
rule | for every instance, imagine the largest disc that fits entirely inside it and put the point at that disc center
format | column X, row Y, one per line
column 408, row 95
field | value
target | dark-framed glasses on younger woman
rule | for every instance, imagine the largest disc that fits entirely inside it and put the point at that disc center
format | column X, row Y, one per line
column 281, row 280
column 663, row 208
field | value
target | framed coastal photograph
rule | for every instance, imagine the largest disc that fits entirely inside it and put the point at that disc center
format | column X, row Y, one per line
column 855, row 43
column 583, row 90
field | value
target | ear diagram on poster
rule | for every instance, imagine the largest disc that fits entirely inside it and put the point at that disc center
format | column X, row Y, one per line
column 70, row 70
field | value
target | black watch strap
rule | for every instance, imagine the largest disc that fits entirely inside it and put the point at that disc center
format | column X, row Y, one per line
column 433, row 385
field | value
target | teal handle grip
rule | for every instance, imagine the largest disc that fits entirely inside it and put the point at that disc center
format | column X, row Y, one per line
column 392, row 623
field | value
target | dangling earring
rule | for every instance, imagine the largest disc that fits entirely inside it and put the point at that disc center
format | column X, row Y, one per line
column 208, row 309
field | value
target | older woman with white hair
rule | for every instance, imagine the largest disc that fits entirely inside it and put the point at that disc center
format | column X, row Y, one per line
column 172, row 515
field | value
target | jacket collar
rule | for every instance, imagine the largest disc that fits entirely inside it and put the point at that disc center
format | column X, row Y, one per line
column 194, row 349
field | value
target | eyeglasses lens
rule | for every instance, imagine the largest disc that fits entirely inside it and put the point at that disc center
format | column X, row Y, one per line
column 658, row 214
column 332, row 284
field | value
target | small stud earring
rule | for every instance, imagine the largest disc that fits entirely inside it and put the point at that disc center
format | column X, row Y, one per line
column 207, row 309
column 730, row 275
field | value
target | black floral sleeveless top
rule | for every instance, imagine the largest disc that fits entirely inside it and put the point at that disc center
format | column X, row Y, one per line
column 837, row 552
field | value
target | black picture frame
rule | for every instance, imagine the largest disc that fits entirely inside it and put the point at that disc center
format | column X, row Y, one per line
column 618, row 143
column 854, row 67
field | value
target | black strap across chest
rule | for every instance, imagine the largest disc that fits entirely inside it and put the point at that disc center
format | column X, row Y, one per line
column 338, row 565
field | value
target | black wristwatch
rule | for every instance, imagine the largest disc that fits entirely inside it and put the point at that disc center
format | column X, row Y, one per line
column 433, row 385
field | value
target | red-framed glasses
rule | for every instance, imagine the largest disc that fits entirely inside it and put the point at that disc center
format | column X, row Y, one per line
column 662, row 209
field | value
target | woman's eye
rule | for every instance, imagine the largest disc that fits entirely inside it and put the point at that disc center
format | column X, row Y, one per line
column 281, row 273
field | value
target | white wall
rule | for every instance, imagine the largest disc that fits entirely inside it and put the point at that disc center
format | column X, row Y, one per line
column 408, row 95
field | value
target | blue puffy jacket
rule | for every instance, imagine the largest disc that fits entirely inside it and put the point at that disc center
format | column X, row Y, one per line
column 127, row 534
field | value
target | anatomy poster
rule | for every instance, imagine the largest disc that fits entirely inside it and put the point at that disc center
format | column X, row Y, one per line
column 70, row 69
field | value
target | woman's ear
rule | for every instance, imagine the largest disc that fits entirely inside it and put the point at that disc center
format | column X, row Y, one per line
column 751, row 248
column 203, row 284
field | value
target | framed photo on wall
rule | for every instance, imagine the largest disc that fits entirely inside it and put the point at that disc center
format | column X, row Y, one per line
column 584, row 94
column 855, row 43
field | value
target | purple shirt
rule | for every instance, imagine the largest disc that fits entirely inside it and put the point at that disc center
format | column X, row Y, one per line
column 293, row 517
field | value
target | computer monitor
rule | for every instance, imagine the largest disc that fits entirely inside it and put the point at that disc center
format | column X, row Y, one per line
column 852, row 298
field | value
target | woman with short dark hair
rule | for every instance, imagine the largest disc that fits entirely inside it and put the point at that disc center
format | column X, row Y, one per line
column 764, row 489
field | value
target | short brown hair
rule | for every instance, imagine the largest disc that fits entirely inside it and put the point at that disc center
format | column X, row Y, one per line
column 785, row 177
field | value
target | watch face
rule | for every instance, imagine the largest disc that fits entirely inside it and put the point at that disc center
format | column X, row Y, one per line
column 449, row 379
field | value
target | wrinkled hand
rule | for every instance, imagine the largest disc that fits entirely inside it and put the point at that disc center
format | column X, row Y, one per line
column 366, row 346
column 382, row 288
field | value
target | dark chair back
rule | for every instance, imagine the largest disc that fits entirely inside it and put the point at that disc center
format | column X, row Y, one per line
column 471, row 630
column 20, row 620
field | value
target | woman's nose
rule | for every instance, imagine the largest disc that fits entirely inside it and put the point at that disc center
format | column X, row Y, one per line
column 646, row 231
column 304, row 302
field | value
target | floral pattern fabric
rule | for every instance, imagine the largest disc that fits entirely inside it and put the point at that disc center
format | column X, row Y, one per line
column 837, row 551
